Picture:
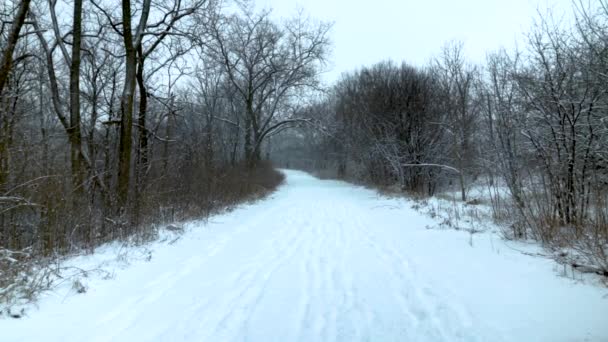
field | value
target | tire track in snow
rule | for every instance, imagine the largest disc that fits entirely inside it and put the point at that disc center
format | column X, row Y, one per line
column 166, row 283
column 428, row 310
column 314, row 315
column 346, row 327
column 327, row 263
column 319, row 316
column 250, row 284
column 303, row 323
column 328, row 309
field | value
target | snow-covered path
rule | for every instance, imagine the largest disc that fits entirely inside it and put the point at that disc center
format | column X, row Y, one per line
column 324, row 261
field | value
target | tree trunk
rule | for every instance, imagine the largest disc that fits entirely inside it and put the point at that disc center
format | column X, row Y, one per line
column 209, row 157
column 248, row 137
column 6, row 137
column 93, row 121
column 6, row 64
column 126, row 110
column 235, row 145
column 126, row 128
column 7, row 57
column 168, row 133
column 142, row 159
column 463, row 193
column 74, row 131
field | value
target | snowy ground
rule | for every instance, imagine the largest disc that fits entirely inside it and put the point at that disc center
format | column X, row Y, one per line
column 322, row 261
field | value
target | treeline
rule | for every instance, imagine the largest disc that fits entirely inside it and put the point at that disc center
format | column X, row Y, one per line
column 115, row 116
column 533, row 122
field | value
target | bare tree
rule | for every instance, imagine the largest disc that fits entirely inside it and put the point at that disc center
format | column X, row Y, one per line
column 13, row 37
column 267, row 65
column 74, row 131
column 457, row 84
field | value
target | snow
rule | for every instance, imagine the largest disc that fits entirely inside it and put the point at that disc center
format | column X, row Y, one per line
column 320, row 261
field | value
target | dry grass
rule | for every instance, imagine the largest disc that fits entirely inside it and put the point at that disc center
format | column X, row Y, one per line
column 26, row 272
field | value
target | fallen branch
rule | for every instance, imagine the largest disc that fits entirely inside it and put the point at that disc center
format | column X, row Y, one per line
column 589, row 269
column 447, row 167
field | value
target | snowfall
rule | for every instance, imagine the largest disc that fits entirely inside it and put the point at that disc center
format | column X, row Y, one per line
column 319, row 260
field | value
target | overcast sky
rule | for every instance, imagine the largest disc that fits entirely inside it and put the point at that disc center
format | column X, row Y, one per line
column 368, row 31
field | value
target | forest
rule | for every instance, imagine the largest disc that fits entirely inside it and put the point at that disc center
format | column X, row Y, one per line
column 530, row 124
column 118, row 117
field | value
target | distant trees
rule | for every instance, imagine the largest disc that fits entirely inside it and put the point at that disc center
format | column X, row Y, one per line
column 456, row 84
column 504, row 150
column 268, row 66
column 533, row 123
column 388, row 127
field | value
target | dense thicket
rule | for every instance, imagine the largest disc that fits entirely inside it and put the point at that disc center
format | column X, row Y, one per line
column 118, row 115
column 533, row 123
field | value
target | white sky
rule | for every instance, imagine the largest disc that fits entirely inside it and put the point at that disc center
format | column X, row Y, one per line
column 366, row 32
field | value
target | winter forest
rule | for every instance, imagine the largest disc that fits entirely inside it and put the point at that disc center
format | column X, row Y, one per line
column 119, row 117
